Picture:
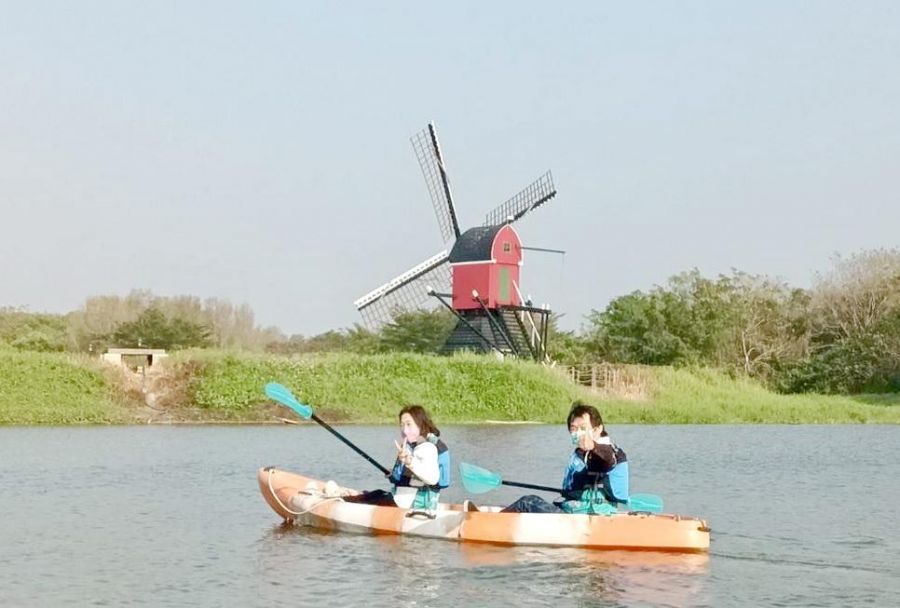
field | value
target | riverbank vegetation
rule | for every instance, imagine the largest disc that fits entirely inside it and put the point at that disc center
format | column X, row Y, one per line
column 55, row 388
column 218, row 386
column 735, row 348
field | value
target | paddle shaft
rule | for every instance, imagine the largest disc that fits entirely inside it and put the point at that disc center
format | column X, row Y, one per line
column 531, row 486
column 350, row 444
column 478, row 480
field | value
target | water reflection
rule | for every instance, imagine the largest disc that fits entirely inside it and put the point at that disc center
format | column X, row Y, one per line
column 475, row 554
column 440, row 573
column 172, row 517
column 628, row 577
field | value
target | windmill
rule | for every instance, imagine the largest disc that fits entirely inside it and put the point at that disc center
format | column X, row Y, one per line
column 477, row 271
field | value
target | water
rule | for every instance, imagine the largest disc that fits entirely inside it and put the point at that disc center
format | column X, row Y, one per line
column 171, row 516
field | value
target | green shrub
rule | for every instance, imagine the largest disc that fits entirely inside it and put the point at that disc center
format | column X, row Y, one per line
column 45, row 388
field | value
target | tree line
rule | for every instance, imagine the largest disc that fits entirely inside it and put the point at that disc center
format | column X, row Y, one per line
column 140, row 319
column 841, row 335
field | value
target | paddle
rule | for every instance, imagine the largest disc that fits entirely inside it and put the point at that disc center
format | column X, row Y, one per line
column 281, row 394
column 478, row 481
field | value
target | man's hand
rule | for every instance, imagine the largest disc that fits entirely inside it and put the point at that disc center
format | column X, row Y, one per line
column 586, row 441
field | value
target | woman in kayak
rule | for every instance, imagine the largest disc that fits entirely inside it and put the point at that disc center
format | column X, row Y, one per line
column 422, row 468
column 597, row 472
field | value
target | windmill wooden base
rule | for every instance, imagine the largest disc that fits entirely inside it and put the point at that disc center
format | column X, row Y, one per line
column 511, row 330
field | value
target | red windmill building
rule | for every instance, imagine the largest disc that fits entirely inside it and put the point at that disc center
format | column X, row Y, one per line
column 483, row 265
column 486, row 260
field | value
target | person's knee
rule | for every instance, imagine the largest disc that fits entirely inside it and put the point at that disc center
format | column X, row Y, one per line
column 530, row 503
column 531, row 499
column 539, row 505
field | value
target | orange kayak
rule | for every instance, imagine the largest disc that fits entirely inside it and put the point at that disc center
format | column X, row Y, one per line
column 311, row 502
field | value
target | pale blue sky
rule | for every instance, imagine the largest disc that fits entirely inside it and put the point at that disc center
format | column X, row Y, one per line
column 259, row 152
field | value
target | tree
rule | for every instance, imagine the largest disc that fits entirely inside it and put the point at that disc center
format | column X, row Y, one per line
column 362, row 341
column 852, row 365
column 33, row 331
column 858, row 294
column 742, row 322
column 293, row 345
column 769, row 327
column 230, row 326
column 153, row 330
column 857, row 321
column 419, row 331
column 566, row 347
column 634, row 329
column 235, row 326
column 684, row 322
column 91, row 326
column 854, row 328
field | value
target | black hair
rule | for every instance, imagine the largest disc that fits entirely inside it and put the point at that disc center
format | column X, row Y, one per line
column 579, row 409
column 422, row 419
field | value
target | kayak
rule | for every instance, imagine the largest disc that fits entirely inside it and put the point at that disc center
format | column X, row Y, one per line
column 319, row 504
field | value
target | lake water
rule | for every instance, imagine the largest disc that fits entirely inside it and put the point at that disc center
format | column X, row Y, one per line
column 171, row 516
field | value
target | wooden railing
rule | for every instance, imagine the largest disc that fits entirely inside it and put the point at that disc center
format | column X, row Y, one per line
column 633, row 382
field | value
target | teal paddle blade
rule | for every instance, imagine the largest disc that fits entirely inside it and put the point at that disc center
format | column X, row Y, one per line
column 281, row 394
column 645, row 502
column 477, row 480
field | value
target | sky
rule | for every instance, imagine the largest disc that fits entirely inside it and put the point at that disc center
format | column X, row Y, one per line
column 259, row 151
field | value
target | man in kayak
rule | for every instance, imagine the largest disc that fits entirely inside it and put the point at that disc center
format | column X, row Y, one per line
column 596, row 478
column 422, row 468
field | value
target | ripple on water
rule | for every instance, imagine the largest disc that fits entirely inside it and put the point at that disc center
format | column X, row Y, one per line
column 172, row 517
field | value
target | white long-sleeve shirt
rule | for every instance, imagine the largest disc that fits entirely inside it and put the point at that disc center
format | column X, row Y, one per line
column 424, row 464
column 425, row 470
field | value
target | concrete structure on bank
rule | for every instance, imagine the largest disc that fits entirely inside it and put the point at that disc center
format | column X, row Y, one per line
column 133, row 357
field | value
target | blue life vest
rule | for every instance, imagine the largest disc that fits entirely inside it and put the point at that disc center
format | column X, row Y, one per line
column 401, row 476
column 614, row 482
column 617, row 482
column 575, row 465
column 443, row 465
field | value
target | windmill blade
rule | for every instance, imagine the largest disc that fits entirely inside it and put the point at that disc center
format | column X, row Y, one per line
column 428, row 152
column 533, row 196
column 406, row 292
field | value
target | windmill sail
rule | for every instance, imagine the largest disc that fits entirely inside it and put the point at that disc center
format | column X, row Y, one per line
column 428, row 153
column 501, row 328
column 405, row 292
column 533, row 196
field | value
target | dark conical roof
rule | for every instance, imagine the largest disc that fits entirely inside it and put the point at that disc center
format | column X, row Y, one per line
column 474, row 245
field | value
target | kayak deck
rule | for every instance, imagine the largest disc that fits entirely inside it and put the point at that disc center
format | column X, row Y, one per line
column 307, row 501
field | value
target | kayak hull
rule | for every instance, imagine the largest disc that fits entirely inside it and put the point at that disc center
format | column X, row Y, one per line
column 303, row 500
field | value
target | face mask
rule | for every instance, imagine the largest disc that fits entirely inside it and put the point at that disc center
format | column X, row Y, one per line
column 576, row 435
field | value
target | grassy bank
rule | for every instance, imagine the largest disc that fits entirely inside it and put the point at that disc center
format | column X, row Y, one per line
column 372, row 388
column 475, row 389
column 214, row 386
column 52, row 388
column 710, row 397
